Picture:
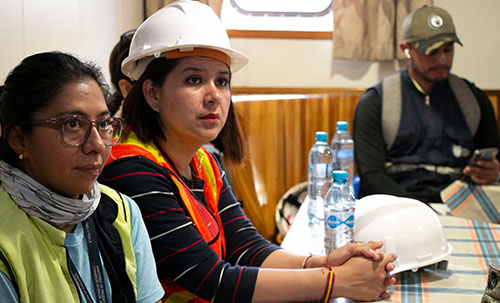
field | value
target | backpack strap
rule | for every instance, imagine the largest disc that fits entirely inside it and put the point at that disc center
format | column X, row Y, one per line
column 392, row 98
column 391, row 108
column 467, row 102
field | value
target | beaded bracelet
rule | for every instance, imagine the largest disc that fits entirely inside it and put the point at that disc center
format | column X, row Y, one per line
column 304, row 263
column 330, row 280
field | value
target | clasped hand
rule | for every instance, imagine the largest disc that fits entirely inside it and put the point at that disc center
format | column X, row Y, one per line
column 369, row 264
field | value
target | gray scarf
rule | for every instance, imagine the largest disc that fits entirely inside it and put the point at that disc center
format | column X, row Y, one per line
column 37, row 200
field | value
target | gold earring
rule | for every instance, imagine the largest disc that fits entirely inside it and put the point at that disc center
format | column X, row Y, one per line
column 21, row 156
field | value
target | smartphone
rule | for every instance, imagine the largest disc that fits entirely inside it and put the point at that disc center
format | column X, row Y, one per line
column 484, row 154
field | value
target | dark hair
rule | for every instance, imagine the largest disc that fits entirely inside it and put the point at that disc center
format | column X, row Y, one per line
column 146, row 124
column 118, row 54
column 33, row 84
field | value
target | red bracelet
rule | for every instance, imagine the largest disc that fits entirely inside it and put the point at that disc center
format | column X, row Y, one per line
column 304, row 263
column 330, row 280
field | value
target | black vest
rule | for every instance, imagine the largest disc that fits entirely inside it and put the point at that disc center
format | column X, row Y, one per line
column 436, row 133
column 111, row 249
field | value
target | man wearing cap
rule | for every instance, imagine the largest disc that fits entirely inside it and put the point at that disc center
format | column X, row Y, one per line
column 415, row 131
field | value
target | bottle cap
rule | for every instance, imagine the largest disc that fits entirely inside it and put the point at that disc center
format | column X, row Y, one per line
column 321, row 136
column 340, row 175
column 342, row 125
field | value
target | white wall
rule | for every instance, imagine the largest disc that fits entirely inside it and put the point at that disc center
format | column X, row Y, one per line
column 87, row 28
column 308, row 63
column 90, row 28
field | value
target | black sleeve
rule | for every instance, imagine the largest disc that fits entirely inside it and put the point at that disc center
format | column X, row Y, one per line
column 487, row 132
column 369, row 148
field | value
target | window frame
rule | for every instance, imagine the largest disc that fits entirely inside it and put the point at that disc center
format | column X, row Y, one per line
column 289, row 13
column 270, row 34
column 279, row 34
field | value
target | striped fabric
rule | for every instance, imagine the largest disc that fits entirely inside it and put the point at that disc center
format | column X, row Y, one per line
column 475, row 245
column 180, row 252
column 476, row 202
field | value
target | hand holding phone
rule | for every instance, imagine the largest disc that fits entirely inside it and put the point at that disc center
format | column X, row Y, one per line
column 484, row 154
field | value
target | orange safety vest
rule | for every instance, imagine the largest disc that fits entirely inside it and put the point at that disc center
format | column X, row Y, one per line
column 206, row 219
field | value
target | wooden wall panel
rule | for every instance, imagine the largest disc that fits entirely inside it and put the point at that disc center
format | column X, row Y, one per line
column 279, row 134
column 495, row 101
column 262, row 176
column 280, row 130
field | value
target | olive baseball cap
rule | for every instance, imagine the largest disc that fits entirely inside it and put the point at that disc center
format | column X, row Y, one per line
column 428, row 28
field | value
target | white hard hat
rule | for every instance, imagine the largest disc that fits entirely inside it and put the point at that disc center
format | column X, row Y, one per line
column 408, row 228
column 182, row 28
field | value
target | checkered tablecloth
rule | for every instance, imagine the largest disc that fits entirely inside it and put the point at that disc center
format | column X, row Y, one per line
column 472, row 201
column 475, row 245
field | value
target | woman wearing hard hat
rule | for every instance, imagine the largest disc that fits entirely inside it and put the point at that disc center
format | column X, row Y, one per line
column 205, row 248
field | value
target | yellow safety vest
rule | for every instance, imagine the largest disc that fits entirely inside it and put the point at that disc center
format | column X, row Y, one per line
column 36, row 254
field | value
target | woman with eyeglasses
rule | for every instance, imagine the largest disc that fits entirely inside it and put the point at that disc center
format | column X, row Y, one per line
column 64, row 237
column 206, row 250
column 121, row 83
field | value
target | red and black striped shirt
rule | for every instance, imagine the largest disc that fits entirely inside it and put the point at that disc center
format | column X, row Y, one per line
column 180, row 252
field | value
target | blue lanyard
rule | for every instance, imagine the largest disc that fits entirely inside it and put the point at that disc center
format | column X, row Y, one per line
column 95, row 266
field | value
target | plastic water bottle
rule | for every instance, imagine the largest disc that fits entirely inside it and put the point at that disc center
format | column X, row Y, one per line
column 343, row 151
column 319, row 176
column 339, row 213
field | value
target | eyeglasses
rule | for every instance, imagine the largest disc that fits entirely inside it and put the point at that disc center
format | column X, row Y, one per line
column 75, row 130
column 125, row 38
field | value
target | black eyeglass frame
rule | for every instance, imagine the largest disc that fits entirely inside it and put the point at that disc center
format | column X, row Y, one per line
column 95, row 123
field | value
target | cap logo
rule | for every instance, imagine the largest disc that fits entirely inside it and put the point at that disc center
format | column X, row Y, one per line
column 436, row 22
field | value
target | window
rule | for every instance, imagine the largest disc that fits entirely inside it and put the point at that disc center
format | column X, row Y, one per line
column 283, row 7
column 306, row 16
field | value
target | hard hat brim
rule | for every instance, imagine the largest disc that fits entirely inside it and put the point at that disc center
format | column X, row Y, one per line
column 408, row 227
column 132, row 68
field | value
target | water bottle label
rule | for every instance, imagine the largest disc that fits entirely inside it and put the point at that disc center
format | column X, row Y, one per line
column 345, row 153
column 322, row 170
column 334, row 222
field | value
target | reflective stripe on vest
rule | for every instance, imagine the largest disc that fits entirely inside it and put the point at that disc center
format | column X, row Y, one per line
column 392, row 99
column 401, row 167
column 206, row 221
